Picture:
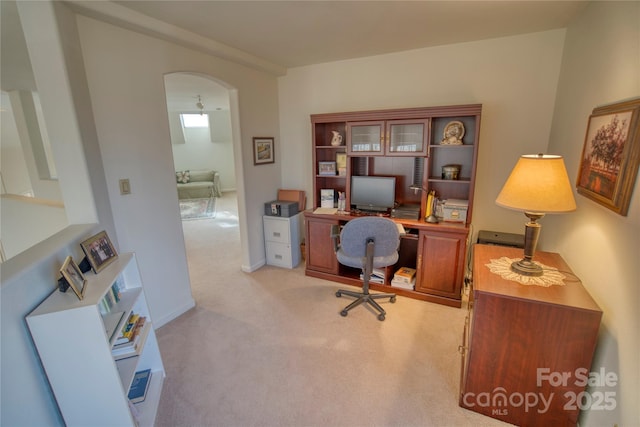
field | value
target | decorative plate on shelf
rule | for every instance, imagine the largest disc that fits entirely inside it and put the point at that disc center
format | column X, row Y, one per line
column 453, row 133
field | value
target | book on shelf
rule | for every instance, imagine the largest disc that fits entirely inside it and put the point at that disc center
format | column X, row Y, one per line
column 403, row 284
column 377, row 276
column 135, row 346
column 406, row 274
column 110, row 299
column 140, row 386
column 127, row 329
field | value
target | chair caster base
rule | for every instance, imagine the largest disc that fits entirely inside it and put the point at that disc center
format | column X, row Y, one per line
column 366, row 298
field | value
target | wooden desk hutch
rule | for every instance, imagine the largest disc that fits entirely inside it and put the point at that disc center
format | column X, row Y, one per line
column 406, row 144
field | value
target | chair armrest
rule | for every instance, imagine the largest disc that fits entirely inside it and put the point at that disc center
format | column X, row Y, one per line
column 335, row 237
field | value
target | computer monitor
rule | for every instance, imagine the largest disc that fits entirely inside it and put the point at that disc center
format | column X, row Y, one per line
column 373, row 193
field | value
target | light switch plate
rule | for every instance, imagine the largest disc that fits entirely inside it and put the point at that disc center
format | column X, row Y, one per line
column 125, row 187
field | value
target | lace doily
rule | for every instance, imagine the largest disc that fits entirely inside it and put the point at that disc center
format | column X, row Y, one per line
column 502, row 267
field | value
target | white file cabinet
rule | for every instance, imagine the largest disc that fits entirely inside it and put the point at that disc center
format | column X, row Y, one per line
column 282, row 240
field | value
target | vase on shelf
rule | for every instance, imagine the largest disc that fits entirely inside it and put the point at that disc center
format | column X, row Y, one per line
column 336, row 140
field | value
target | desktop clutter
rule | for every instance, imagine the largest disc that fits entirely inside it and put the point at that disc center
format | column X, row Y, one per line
column 436, row 210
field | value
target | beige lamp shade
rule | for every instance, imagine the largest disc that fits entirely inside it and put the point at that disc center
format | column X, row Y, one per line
column 538, row 183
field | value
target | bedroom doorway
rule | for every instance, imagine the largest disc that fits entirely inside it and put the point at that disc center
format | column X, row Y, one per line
column 200, row 112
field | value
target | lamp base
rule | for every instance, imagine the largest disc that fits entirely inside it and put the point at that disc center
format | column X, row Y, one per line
column 526, row 267
column 432, row 219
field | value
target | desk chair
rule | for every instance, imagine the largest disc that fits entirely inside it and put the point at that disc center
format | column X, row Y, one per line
column 367, row 243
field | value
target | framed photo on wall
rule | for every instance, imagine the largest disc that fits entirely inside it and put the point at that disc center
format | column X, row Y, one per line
column 263, row 150
column 99, row 251
column 610, row 156
column 74, row 277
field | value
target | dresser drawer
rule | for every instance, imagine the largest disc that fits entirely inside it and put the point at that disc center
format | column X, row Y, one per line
column 280, row 255
column 277, row 230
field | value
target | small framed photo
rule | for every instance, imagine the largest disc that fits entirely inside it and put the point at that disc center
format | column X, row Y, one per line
column 263, row 150
column 326, row 168
column 74, row 277
column 99, row 251
column 611, row 155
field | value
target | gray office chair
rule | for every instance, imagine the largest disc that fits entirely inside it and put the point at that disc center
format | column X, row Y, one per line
column 367, row 243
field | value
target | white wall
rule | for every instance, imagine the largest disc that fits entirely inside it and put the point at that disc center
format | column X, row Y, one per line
column 25, row 223
column 13, row 165
column 125, row 73
column 601, row 65
column 31, row 276
column 505, row 75
column 515, row 78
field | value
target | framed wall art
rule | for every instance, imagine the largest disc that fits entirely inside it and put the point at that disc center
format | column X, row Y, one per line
column 99, row 251
column 263, row 150
column 74, row 277
column 610, row 156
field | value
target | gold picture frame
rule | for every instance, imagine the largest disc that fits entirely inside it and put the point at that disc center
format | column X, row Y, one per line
column 263, row 150
column 99, row 251
column 74, row 277
column 611, row 155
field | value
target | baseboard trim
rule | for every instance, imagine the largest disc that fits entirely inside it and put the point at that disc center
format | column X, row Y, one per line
column 254, row 267
column 174, row 314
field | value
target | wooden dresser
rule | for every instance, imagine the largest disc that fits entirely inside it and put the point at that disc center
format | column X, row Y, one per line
column 520, row 339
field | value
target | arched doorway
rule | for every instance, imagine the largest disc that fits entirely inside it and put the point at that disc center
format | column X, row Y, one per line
column 214, row 241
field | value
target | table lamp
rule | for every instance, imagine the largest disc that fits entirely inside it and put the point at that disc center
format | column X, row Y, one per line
column 538, row 184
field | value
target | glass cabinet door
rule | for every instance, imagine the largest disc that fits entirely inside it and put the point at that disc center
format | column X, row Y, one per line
column 365, row 138
column 407, row 137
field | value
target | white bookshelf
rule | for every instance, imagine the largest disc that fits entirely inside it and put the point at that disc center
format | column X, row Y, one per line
column 90, row 386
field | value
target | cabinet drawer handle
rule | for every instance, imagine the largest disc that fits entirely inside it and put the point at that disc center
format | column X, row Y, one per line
column 276, row 234
column 278, row 257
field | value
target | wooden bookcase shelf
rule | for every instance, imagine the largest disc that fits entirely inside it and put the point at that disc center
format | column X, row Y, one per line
column 405, row 144
column 90, row 386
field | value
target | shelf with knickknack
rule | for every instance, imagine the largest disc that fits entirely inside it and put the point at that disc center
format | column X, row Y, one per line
column 76, row 341
column 459, row 153
column 329, row 147
column 413, row 146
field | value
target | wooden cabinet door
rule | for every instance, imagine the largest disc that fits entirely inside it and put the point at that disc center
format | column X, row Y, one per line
column 442, row 256
column 365, row 138
column 407, row 137
column 319, row 246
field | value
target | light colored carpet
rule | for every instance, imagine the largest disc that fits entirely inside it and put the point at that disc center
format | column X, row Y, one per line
column 198, row 208
column 271, row 349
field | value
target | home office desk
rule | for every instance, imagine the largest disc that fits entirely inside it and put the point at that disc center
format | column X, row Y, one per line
column 436, row 251
column 526, row 348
